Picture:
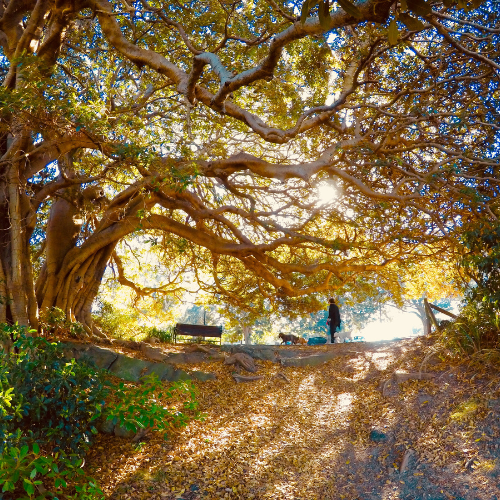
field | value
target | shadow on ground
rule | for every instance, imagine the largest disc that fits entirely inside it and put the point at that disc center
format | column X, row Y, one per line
column 329, row 433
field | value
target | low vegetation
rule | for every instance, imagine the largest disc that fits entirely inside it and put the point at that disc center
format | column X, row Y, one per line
column 49, row 409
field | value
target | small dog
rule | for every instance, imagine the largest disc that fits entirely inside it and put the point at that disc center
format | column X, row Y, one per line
column 288, row 338
column 302, row 341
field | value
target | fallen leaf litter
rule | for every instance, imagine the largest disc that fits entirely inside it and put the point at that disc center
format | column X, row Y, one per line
column 326, row 432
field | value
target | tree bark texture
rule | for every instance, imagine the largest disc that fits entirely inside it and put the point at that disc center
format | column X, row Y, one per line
column 72, row 273
column 71, row 287
column 247, row 334
column 243, row 229
column 16, row 285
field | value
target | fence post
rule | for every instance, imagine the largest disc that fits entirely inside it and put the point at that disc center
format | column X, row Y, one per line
column 430, row 314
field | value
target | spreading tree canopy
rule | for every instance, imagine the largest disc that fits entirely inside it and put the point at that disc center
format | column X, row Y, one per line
column 271, row 150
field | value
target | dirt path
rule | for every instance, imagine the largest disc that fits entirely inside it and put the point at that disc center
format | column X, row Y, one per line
column 338, row 430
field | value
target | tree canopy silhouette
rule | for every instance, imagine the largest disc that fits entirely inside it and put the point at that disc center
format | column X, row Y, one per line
column 272, row 149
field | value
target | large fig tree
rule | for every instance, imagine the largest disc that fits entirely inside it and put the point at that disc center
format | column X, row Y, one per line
column 267, row 148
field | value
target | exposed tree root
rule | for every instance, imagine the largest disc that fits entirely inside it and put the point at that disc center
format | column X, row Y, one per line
column 243, row 360
column 283, row 376
column 246, row 378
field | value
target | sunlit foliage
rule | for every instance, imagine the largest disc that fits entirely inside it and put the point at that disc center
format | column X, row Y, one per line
column 210, row 134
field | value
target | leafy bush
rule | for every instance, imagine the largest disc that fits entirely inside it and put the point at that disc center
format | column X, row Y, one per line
column 28, row 466
column 476, row 333
column 50, row 403
column 53, row 321
column 142, row 407
column 165, row 336
column 53, row 400
column 481, row 262
column 118, row 323
column 476, row 329
column 47, row 408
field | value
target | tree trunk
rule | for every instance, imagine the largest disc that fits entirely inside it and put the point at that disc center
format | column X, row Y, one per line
column 71, row 277
column 247, row 334
column 75, row 287
column 3, row 295
column 430, row 316
column 73, row 269
column 17, row 298
column 423, row 318
column 420, row 312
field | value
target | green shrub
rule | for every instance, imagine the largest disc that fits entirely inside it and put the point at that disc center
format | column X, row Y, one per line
column 481, row 263
column 46, row 403
column 165, row 336
column 47, row 409
column 122, row 324
column 53, row 321
column 42, row 476
column 476, row 329
column 53, row 400
column 475, row 334
column 143, row 407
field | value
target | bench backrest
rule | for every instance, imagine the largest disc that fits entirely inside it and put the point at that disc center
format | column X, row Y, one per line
column 198, row 330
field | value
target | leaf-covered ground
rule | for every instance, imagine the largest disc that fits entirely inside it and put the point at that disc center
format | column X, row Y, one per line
column 339, row 430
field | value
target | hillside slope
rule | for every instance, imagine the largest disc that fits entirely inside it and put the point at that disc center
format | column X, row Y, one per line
column 350, row 428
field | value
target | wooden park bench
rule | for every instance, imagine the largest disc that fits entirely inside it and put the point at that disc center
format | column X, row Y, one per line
column 182, row 329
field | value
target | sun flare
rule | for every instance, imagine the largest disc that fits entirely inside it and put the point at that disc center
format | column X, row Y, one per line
column 327, row 193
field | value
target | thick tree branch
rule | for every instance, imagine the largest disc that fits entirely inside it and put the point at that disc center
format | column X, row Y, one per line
column 372, row 10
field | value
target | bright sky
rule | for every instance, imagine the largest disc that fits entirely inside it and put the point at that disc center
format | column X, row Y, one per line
column 401, row 325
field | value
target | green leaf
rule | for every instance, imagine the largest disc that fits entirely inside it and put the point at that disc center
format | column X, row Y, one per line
column 8, row 486
column 36, row 449
column 41, row 468
column 28, row 487
column 420, row 7
column 324, row 14
column 130, row 426
column 304, row 12
column 412, row 23
column 350, row 8
column 33, row 473
column 393, row 32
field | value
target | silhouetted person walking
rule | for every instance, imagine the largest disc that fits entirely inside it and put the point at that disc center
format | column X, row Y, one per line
column 333, row 318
